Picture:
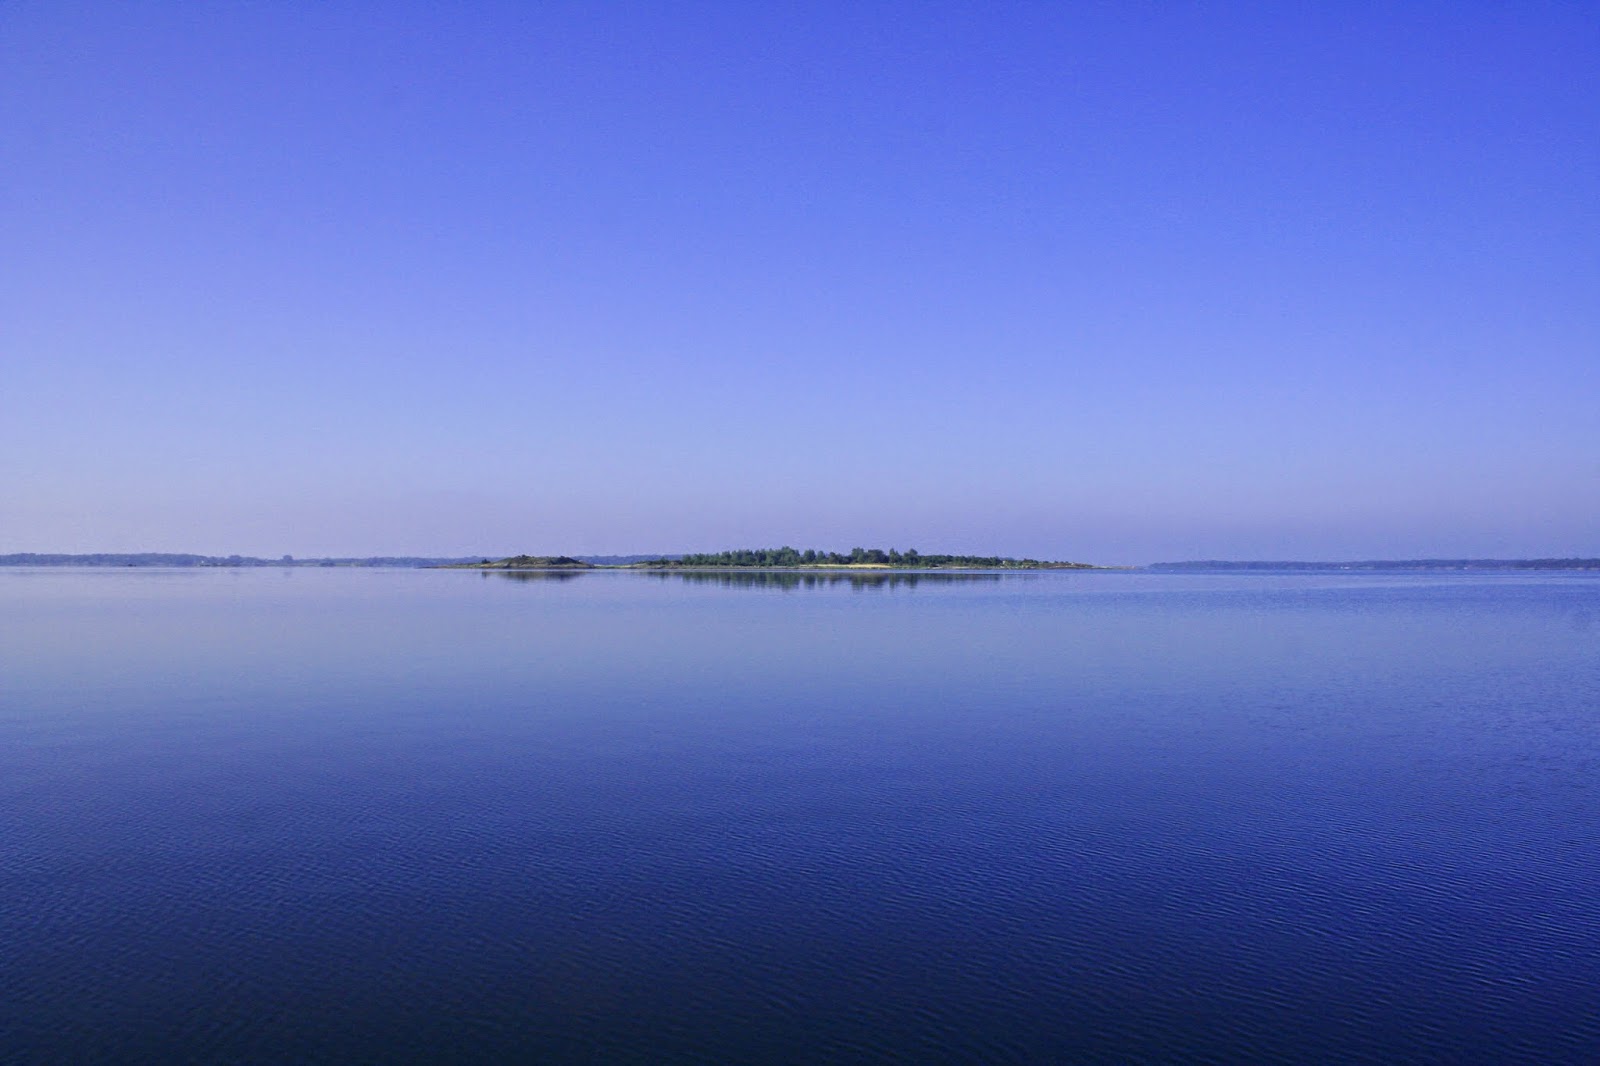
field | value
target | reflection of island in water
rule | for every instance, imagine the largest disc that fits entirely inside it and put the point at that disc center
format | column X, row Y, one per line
column 536, row 575
column 787, row 579
column 784, row 580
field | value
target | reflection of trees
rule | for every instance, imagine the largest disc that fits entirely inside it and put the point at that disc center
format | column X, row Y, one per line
column 786, row 581
column 536, row 575
column 783, row 580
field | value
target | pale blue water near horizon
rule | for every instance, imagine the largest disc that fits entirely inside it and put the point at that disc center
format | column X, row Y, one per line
column 392, row 816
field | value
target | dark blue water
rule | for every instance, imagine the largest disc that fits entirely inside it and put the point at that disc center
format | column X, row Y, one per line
column 391, row 816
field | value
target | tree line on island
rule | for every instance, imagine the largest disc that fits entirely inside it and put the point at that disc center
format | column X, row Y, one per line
column 785, row 558
column 911, row 559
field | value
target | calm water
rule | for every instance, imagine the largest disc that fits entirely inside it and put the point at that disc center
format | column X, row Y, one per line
column 391, row 816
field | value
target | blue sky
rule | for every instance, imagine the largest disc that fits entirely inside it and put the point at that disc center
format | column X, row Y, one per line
column 1111, row 282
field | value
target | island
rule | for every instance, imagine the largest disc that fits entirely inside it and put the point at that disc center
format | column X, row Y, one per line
column 524, row 562
column 785, row 558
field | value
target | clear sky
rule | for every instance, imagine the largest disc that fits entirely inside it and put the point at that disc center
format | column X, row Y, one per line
column 1116, row 282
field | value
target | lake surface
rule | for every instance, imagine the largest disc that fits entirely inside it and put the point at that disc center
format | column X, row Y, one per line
column 395, row 816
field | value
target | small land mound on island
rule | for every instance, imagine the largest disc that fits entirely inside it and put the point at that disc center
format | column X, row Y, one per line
column 533, row 562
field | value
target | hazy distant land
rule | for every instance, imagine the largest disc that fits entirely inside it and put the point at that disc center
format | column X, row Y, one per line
column 183, row 559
